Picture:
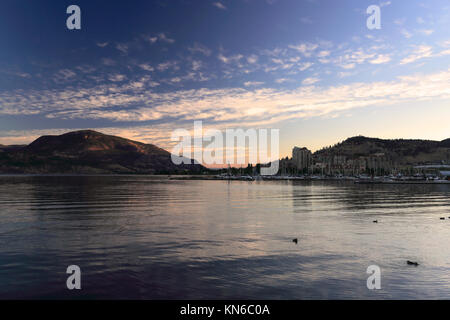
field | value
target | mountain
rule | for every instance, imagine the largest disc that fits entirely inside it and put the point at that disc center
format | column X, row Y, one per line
column 446, row 143
column 3, row 147
column 87, row 152
column 401, row 151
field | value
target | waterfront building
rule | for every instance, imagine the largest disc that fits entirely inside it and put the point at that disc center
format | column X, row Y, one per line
column 301, row 158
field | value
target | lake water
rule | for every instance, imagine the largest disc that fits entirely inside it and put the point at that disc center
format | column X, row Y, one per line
column 140, row 237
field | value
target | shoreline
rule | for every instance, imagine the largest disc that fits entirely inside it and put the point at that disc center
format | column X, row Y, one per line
column 356, row 180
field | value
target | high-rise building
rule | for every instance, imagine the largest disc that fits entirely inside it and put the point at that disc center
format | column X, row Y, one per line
column 302, row 158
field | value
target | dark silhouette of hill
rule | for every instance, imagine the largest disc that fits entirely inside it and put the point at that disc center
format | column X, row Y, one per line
column 88, row 152
column 402, row 151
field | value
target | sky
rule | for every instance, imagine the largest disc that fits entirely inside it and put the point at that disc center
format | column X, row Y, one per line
column 310, row 68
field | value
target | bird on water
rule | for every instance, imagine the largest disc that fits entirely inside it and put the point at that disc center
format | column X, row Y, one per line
column 411, row 263
column 295, row 240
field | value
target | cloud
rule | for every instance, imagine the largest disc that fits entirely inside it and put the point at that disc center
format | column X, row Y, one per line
column 253, row 83
column 135, row 101
column 274, row 52
column 400, row 21
column 420, row 52
column 86, row 69
column 310, row 81
column 198, row 48
column 151, row 39
column 176, row 80
column 123, row 48
column 445, row 52
column 350, row 58
column 305, row 48
column 22, row 75
column 305, row 66
column 196, row 65
column 146, row 67
column 219, row 5
column 323, row 54
column 348, row 66
column 426, row 32
column 102, row 44
column 406, row 33
column 229, row 59
column 108, row 62
column 64, row 75
column 277, row 61
column 168, row 65
column 252, row 59
column 345, row 74
column 282, row 80
column 445, row 44
column 380, row 59
column 164, row 38
column 117, row 77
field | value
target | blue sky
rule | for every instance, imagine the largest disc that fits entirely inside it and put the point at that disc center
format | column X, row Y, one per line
column 141, row 69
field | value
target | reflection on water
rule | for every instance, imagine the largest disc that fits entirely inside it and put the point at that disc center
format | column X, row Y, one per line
column 138, row 237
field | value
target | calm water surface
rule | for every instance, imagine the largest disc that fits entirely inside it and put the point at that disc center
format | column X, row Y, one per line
column 138, row 237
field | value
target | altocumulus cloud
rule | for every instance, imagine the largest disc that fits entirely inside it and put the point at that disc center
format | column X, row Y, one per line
column 136, row 101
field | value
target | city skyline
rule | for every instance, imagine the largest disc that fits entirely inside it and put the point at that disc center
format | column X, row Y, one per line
column 309, row 68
